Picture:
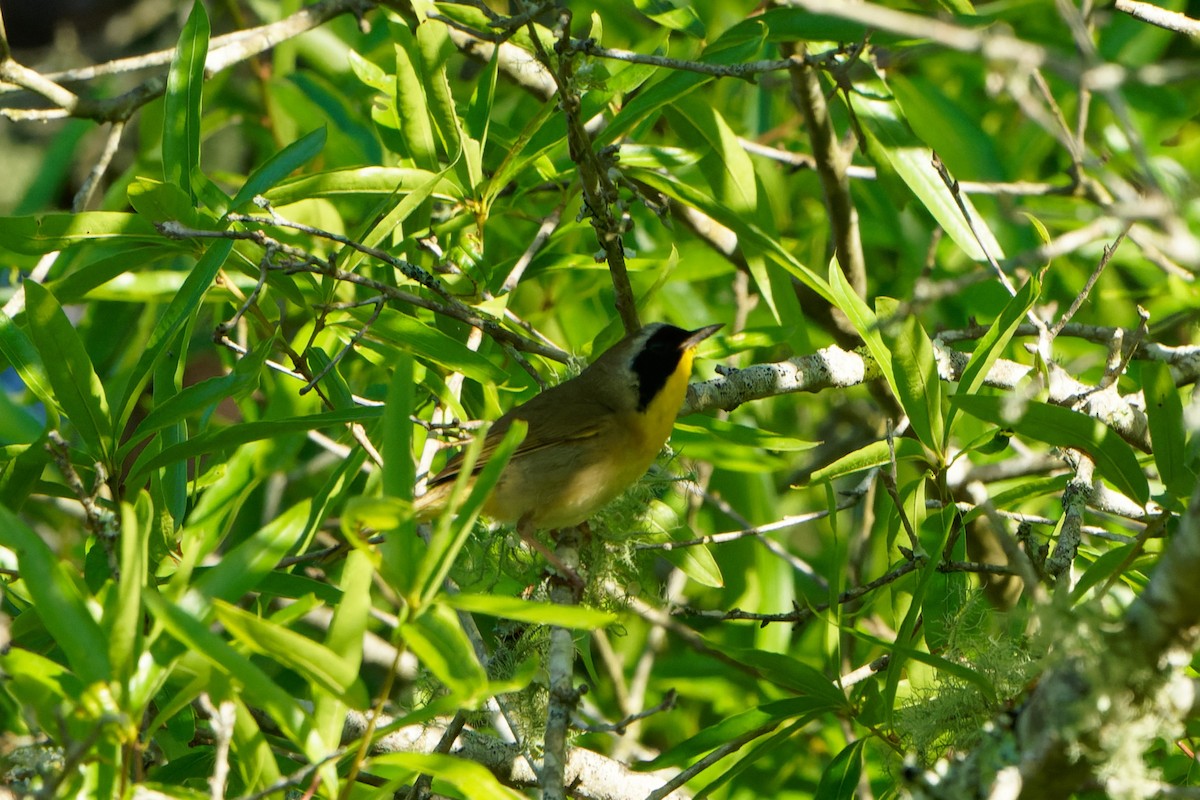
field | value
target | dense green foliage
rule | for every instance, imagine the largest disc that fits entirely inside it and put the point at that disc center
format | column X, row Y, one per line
column 231, row 369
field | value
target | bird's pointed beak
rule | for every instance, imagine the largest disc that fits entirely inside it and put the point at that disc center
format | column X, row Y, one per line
column 699, row 335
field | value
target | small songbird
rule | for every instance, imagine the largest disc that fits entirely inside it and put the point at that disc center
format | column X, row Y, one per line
column 589, row 438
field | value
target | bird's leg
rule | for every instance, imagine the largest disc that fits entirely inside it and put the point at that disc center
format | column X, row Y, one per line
column 528, row 534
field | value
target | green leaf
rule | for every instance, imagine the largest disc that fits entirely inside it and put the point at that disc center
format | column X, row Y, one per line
column 1164, row 411
column 45, row 233
column 576, row 617
column 478, row 118
column 243, row 568
column 840, row 778
column 1027, row 489
column 933, row 531
column 865, row 323
column 695, row 561
column 43, row 685
column 438, row 640
column 453, row 527
column 871, row 456
column 181, row 105
column 918, row 382
column 22, row 355
column 725, row 163
column 234, row 435
column 735, row 727
column 676, row 16
column 203, row 396
column 162, row 202
column 361, row 182
column 993, row 343
column 78, row 390
column 946, row 125
column 399, row 470
column 434, row 49
column 1061, row 427
column 788, row 24
column 750, row 236
column 738, row 447
column 182, row 308
column 17, row 425
column 321, row 666
column 195, row 635
column 749, row 756
column 352, row 612
column 123, row 625
column 390, row 224
column 1103, row 568
column 469, row 779
column 57, row 601
column 279, row 166
column 544, row 131
column 428, row 344
column 881, row 119
column 739, row 43
column 412, row 104
column 791, row 674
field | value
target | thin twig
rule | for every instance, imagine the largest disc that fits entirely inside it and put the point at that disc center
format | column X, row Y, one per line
column 798, row 616
column 599, row 192
column 305, row 262
column 111, row 142
column 1083, row 294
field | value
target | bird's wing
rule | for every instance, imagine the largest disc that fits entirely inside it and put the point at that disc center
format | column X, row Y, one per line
column 546, row 429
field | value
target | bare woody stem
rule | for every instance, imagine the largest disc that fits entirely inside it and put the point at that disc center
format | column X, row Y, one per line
column 600, row 194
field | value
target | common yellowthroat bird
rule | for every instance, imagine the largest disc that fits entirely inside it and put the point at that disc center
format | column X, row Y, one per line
column 589, row 438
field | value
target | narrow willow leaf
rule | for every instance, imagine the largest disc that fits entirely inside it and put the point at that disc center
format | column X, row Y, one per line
column 750, row 236
column 204, row 395
column 181, row 309
column 243, row 568
column 839, row 781
column 23, row 356
column 865, row 323
column 739, row 43
column 1164, row 410
column 430, row 345
column 676, row 16
column 195, row 635
column 695, row 561
column 279, row 166
column 181, row 114
column 790, row 673
column 412, row 103
column 434, row 48
column 454, row 526
column 1061, row 427
column 45, row 233
column 737, row 726
column 918, row 382
column 576, row 617
column 235, row 435
column 57, row 601
column 318, row 664
column 993, row 343
column 882, row 119
column 438, row 640
column 359, row 182
column 123, row 625
column 871, row 456
column 78, row 390
column 469, row 779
